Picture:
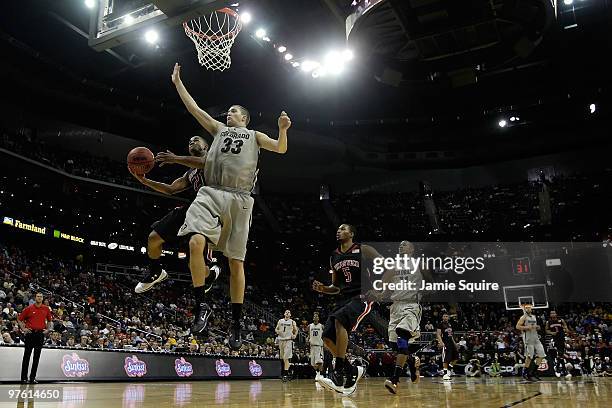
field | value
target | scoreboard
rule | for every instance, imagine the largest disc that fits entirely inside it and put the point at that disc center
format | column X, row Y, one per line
column 521, row 266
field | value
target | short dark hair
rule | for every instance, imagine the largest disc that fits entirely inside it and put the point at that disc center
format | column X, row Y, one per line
column 352, row 228
column 245, row 112
column 38, row 292
column 203, row 139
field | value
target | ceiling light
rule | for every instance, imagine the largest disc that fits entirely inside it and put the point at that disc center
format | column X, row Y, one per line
column 151, row 36
column 245, row 18
column 308, row 65
column 334, row 62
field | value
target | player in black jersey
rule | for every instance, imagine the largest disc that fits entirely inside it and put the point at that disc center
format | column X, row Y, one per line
column 345, row 264
column 446, row 342
column 557, row 328
column 166, row 229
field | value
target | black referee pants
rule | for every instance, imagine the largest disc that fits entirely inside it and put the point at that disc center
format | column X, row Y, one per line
column 33, row 341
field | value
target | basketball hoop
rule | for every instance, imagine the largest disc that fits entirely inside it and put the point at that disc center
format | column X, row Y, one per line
column 213, row 36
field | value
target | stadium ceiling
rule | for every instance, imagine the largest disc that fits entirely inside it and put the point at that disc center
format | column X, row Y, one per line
column 46, row 50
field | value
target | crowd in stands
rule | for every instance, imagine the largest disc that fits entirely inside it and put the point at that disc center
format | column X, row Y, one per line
column 99, row 311
column 93, row 310
column 502, row 212
column 78, row 163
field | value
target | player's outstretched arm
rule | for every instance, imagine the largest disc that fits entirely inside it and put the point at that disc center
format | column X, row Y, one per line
column 168, row 157
column 178, row 185
column 211, row 125
column 279, row 145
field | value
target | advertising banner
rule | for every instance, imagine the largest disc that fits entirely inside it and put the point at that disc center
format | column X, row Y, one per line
column 58, row 364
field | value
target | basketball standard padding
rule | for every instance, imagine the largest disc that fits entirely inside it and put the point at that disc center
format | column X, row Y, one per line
column 140, row 160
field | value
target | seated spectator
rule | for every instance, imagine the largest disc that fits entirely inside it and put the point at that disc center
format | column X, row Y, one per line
column 84, row 342
column 7, row 339
column 100, row 343
column 54, row 340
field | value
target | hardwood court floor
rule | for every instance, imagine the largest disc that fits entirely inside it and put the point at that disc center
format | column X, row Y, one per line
column 461, row 392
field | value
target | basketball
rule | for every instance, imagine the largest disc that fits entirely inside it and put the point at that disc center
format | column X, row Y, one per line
column 140, row 160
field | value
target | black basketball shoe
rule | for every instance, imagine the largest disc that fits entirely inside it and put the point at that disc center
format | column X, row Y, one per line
column 151, row 280
column 235, row 337
column 203, row 312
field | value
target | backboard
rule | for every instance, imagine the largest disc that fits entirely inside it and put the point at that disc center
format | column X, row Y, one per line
column 516, row 296
column 116, row 22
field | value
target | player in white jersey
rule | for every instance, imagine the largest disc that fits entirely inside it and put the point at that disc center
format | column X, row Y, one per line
column 528, row 324
column 286, row 330
column 315, row 339
column 404, row 320
column 220, row 215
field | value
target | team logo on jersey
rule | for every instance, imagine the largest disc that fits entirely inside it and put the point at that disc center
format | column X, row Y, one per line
column 183, row 367
column 74, row 366
column 255, row 369
column 223, row 369
column 235, row 135
column 134, row 367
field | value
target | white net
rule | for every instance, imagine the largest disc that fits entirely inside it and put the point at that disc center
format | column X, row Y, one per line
column 213, row 36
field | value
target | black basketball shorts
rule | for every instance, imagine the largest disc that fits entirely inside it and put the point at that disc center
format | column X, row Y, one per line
column 449, row 352
column 167, row 228
column 349, row 315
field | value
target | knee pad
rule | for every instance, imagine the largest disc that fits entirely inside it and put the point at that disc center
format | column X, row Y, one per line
column 402, row 346
column 402, row 340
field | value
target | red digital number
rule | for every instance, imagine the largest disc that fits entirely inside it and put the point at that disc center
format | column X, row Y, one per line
column 521, row 266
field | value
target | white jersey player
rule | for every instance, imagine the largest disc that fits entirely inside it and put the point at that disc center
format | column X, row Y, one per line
column 287, row 330
column 528, row 324
column 315, row 339
column 220, row 216
column 404, row 321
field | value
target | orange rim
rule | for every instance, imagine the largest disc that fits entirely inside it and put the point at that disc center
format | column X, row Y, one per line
column 232, row 33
